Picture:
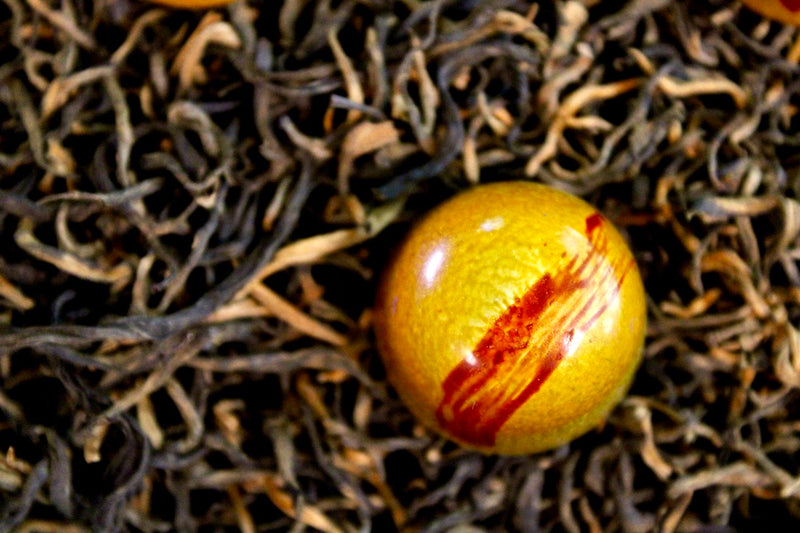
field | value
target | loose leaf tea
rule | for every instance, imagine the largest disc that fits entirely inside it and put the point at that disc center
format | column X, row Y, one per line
column 195, row 206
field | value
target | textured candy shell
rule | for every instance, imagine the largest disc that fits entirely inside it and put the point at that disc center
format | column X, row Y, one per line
column 786, row 11
column 494, row 263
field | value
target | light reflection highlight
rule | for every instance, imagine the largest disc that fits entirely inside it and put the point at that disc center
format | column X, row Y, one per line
column 492, row 224
column 433, row 265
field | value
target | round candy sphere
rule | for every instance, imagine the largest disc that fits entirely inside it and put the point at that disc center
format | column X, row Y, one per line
column 786, row 11
column 512, row 318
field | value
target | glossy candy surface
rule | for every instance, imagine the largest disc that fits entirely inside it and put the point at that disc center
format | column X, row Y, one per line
column 512, row 318
column 786, row 11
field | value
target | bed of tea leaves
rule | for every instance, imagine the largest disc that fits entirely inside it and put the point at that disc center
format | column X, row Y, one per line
column 194, row 207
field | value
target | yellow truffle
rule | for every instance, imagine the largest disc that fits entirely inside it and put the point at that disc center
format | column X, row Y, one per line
column 512, row 318
column 192, row 4
column 786, row 11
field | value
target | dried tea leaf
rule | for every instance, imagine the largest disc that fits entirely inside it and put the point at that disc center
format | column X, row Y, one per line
column 364, row 138
column 188, row 62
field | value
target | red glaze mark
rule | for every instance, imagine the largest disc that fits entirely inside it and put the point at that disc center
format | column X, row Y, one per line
column 593, row 222
column 527, row 342
column 791, row 5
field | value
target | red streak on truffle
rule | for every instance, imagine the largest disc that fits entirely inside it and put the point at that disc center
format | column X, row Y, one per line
column 791, row 5
column 593, row 222
column 525, row 344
